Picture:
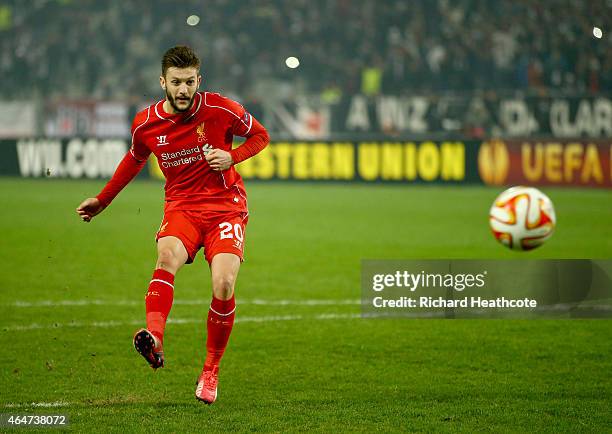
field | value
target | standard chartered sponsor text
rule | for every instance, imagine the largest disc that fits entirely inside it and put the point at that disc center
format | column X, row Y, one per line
column 185, row 156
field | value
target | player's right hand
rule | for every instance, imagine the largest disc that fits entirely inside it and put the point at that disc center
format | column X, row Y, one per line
column 89, row 208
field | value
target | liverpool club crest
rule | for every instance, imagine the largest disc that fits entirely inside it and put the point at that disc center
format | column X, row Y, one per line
column 201, row 133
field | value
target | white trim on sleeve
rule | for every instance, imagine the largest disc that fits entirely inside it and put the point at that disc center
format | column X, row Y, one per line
column 134, row 133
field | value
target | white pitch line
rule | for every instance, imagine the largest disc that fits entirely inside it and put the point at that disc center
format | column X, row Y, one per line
column 194, row 302
column 179, row 321
column 56, row 404
column 39, row 404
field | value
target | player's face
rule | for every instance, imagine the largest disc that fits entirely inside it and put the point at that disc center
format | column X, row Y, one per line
column 181, row 85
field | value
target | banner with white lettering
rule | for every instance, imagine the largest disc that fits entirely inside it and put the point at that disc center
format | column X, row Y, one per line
column 470, row 116
column 421, row 117
column 56, row 158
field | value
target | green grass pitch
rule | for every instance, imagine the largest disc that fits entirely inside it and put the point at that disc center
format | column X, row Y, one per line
column 309, row 364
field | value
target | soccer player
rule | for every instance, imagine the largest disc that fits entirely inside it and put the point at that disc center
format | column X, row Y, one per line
column 191, row 134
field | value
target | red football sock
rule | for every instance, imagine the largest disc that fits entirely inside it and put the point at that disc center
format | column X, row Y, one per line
column 159, row 302
column 220, row 321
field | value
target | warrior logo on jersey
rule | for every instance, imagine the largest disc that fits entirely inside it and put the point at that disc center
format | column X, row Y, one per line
column 162, row 140
column 201, row 133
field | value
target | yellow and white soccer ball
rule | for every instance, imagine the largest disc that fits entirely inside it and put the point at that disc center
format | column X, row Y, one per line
column 522, row 218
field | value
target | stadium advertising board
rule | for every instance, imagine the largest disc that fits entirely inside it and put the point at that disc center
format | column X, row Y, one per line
column 552, row 162
column 512, row 115
column 56, row 158
column 492, row 162
column 443, row 114
column 425, row 116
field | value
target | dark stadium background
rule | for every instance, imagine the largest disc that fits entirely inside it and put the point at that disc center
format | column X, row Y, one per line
column 390, row 140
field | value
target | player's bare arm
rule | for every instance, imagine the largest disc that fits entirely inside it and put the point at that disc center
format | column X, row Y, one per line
column 219, row 160
column 89, row 208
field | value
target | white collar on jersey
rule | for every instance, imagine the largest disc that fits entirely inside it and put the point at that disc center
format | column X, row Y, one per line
column 187, row 118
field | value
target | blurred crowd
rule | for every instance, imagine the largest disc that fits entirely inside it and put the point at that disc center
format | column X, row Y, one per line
column 112, row 49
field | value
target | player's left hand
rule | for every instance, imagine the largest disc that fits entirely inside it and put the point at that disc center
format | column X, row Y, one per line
column 219, row 159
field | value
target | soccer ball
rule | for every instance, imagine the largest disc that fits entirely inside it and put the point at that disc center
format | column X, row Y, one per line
column 522, row 218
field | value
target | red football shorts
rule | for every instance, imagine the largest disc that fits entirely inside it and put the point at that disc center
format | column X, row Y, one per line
column 216, row 231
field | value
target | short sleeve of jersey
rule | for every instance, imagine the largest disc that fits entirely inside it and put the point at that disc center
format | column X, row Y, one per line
column 241, row 120
column 138, row 149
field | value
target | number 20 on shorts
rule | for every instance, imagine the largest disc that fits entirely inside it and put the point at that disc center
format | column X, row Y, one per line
column 226, row 231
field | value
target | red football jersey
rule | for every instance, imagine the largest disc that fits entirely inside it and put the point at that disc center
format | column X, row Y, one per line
column 180, row 142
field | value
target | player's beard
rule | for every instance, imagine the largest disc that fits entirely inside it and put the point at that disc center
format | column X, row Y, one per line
column 172, row 102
